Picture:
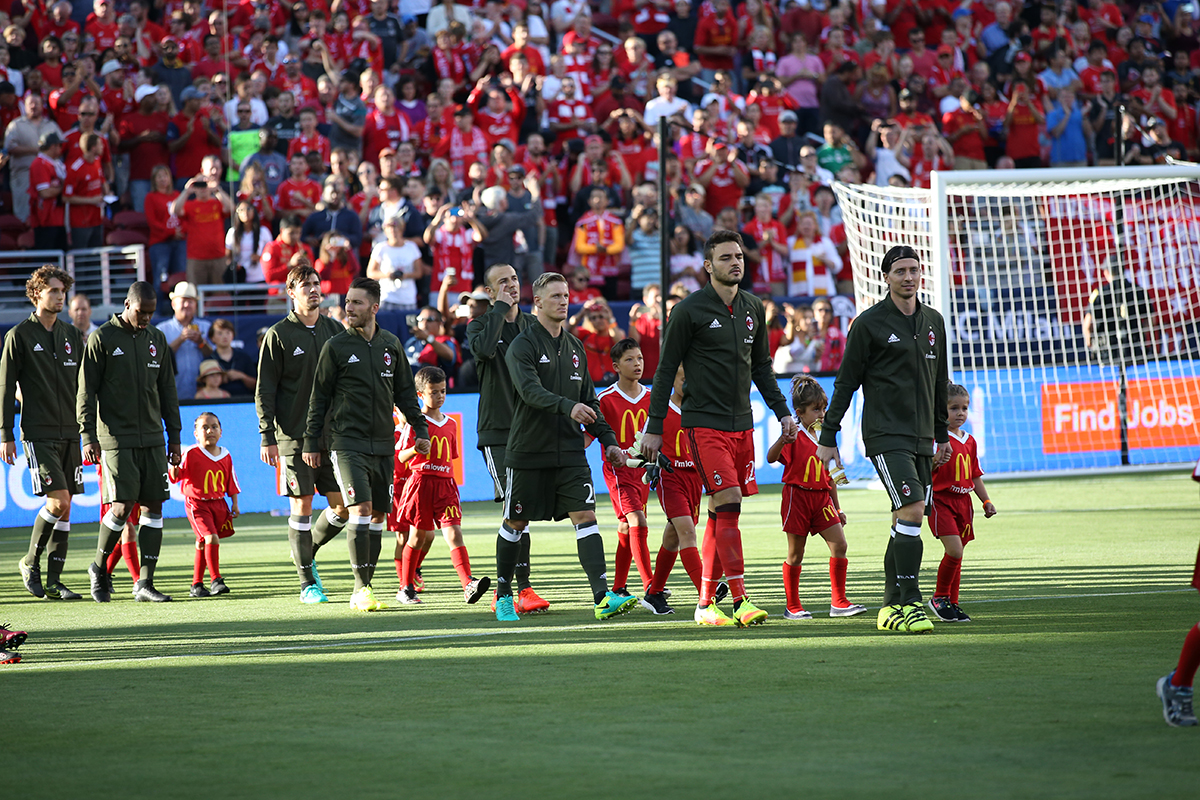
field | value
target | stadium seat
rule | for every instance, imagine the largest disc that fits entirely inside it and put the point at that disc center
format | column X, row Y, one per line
column 11, row 224
column 25, row 240
column 7, row 242
column 134, row 220
column 120, row 238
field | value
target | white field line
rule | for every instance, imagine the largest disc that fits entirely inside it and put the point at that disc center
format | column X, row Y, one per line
column 489, row 633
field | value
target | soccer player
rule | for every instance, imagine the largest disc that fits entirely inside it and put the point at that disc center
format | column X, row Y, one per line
column 41, row 356
column 679, row 495
column 719, row 334
column 361, row 374
column 430, row 494
column 952, row 517
column 489, row 336
column 625, row 405
column 548, row 474
column 810, row 503
column 206, row 475
column 896, row 352
column 286, row 365
column 126, row 397
column 1175, row 688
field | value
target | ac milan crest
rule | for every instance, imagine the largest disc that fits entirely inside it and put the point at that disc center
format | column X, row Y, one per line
column 575, row 360
column 907, row 491
column 153, row 351
column 932, row 339
column 67, row 347
column 387, row 358
column 749, row 322
column 517, row 508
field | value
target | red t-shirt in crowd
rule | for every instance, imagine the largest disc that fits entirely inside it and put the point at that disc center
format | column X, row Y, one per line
column 84, row 179
column 145, row 156
column 162, row 223
column 204, row 225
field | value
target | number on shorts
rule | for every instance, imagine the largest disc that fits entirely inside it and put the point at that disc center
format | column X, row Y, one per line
column 591, row 498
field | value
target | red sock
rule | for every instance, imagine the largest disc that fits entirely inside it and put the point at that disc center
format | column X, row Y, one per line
column 622, row 561
column 198, row 567
column 690, row 557
column 408, row 565
column 945, row 576
column 837, row 581
column 791, row 587
column 1189, row 658
column 711, row 569
column 421, row 558
column 132, row 563
column 639, row 542
column 212, row 556
column 113, row 558
column 462, row 564
column 662, row 569
column 729, row 547
column 955, row 582
column 400, row 568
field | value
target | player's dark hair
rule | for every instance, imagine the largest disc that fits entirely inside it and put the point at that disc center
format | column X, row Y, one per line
column 807, row 392
column 428, row 376
column 721, row 237
column 290, row 221
column 221, row 324
column 299, row 274
column 488, row 273
column 621, row 348
column 140, row 291
column 547, row 278
column 954, row 390
column 368, row 285
column 41, row 278
column 203, row 414
column 895, row 254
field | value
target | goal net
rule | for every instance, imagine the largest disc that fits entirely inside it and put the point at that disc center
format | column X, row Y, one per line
column 1071, row 299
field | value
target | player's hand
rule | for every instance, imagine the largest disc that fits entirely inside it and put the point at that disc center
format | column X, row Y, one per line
column 614, row 455
column 790, row 428
column 173, row 454
column 943, row 454
column 422, row 446
column 269, row 454
column 829, row 455
column 91, row 454
column 312, row 459
column 651, row 445
column 584, row 415
column 9, row 454
column 842, row 516
column 989, row 509
column 234, row 513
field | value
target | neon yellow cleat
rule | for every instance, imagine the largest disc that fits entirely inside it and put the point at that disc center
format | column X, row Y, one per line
column 713, row 615
column 916, row 619
column 891, row 618
column 748, row 614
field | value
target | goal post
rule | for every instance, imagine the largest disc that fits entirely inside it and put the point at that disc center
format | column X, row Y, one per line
column 1072, row 305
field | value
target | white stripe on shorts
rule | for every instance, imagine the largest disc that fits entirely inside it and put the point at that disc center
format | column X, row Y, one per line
column 886, row 478
column 35, row 479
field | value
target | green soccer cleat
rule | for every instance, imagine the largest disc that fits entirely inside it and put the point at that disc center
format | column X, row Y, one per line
column 714, row 616
column 916, row 619
column 364, row 600
column 891, row 618
column 506, row 613
column 612, row 605
column 747, row 614
column 312, row 594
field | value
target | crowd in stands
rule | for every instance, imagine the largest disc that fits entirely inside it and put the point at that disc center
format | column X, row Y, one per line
column 417, row 142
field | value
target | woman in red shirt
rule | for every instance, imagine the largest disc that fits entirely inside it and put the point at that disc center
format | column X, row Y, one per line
column 336, row 263
column 167, row 250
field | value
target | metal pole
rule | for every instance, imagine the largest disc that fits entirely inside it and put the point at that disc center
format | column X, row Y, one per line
column 1119, row 136
column 664, row 237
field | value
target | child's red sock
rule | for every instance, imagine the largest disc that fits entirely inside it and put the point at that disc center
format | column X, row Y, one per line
column 408, row 565
column 212, row 556
column 198, row 566
column 662, row 569
column 690, row 557
column 132, row 563
column 462, row 564
column 837, row 582
column 729, row 547
column 1189, row 658
column 400, row 568
column 945, row 576
column 621, row 561
column 639, row 542
column 791, row 587
column 712, row 568
column 956, row 581
column 421, row 557
column 113, row 558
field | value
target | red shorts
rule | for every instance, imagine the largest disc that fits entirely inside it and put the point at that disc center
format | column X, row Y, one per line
column 429, row 504
column 626, row 490
column 952, row 516
column 209, row 518
column 724, row 459
column 393, row 516
column 807, row 511
column 135, row 516
column 1196, row 572
column 679, row 493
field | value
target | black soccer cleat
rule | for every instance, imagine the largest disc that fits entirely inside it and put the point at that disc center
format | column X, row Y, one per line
column 476, row 589
column 656, row 604
column 943, row 609
column 144, row 592
column 58, row 591
column 218, row 587
column 199, row 590
column 622, row 592
column 101, row 583
column 32, row 578
column 958, row 612
column 721, row 592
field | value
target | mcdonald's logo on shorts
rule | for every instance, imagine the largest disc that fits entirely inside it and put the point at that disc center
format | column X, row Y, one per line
column 452, row 512
column 829, row 512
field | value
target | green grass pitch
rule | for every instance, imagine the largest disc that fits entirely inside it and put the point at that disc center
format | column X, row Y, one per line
column 1078, row 590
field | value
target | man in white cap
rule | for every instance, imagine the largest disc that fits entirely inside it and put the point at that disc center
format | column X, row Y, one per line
column 188, row 337
column 143, row 135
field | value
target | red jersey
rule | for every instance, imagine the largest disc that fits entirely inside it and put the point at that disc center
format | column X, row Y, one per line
column 443, row 449
column 305, row 144
column 145, row 155
column 597, row 346
column 203, row 476
column 66, row 109
column 460, row 149
column 383, row 130
column 714, row 32
column 304, row 88
column 570, row 112
column 650, row 330
column 590, row 45
column 599, row 232
column 774, row 266
column 189, row 157
column 772, row 106
column 204, row 226
column 723, row 191
column 674, row 442
column 162, row 223
column 429, row 133
column 1023, row 131
column 959, row 473
column 624, row 414
column 291, row 192
column 801, row 467
column 504, row 125
column 1090, row 78
column 45, row 173
column 84, row 179
column 532, row 55
column 969, row 145
column 276, row 257
column 454, row 250
column 104, row 34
